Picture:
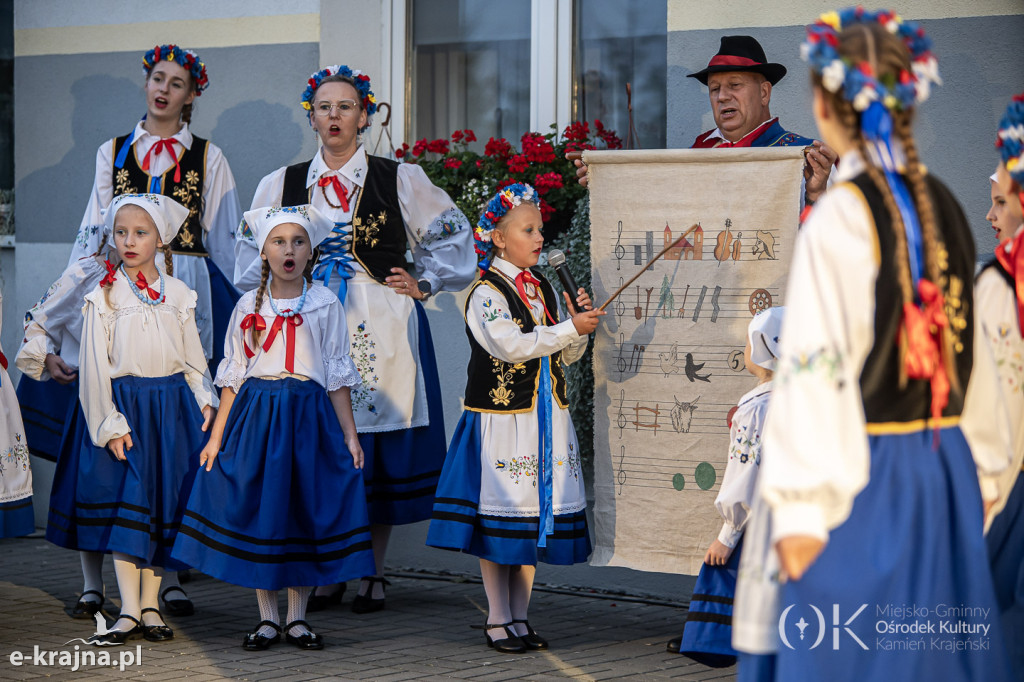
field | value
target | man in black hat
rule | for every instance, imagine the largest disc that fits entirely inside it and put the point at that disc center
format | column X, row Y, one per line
column 740, row 80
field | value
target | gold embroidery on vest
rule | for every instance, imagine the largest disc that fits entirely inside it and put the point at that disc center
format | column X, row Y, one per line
column 121, row 183
column 188, row 194
column 367, row 235
column 504, row 371
column 956, row 309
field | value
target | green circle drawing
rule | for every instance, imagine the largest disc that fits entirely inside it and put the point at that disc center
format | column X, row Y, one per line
column 678, row 481
column 705, row 476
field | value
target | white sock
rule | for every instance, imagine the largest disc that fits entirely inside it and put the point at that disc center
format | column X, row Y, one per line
column 150, row 592
column 92, row 574
column 297, row 600
column 267, row 600
column 129, row 579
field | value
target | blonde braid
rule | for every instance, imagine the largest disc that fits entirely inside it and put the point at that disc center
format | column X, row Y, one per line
column 168, row 261
column 260, row 293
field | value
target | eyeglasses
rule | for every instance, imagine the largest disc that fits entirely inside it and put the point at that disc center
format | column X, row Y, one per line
column 346, row 108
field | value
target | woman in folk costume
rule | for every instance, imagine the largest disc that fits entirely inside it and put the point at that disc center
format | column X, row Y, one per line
column 707, row 635
column 886, row 413
column 999, row 300
column 512, row 492
column 379, row 209
column 284, row 449
column 16, row 515
column 147, row 397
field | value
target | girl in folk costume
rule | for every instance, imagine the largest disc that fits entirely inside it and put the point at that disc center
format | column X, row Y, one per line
column 380, row 209
column 512, row 491
column 707, row 635
column 999, row 297
column 162, row 156
column 141, row 362
column 16, row 516
column 884, row 392
column 284, row 448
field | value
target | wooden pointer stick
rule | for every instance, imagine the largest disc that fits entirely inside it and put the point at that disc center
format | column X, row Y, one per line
column 649, row 263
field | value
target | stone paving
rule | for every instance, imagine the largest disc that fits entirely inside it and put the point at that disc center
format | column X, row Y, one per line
column 424, row 633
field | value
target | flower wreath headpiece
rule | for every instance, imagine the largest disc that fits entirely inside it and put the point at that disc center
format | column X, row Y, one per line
column 361, row 80
column 501, row 203
column 859, row 83
column 1010, row 141
column 182, row 57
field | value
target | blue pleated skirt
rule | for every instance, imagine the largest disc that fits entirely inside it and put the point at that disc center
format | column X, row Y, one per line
column 223, row 297
column 103, row 505
column 283, row 504
column 60, row 527
column 913, row 539
column 45, row 409
column 456, row 525
column 402, row 467
column 17, row 518
column 1006, row 555
column 707, row 635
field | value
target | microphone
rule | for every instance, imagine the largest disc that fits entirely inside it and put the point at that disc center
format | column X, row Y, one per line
column 556, row 259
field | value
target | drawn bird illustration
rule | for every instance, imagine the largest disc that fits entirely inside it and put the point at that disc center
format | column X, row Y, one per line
column 101, row 624
column 670, row 361
column 692, row 369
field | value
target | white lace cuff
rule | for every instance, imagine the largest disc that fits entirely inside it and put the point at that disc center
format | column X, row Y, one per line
column 342, row 372
column 231, row 374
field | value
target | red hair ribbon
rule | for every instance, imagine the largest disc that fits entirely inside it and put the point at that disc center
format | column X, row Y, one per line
column 524, row 278
column 3, row 360
column 254, row 322
column 924, row 358
column 339, row 189
column 111, row 275
column 1012, row 260
column 166, row 144
column 289, row 353
column 143, row 285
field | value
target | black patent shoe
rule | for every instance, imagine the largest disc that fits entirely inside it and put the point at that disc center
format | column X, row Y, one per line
column 85, row 610
column 254, row 641
column 177, row 607
column 309, row 641
column 118, row 637
column 531, row 639
column 319, row 602
column 512, row 644
column 364, row 603
column 672, row 646
column 156, row 633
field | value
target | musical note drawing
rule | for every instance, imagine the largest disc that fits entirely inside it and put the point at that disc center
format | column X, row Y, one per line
column 622, row 472
column 670, row 361
column 620, row 421
column 647, row 308
column 620, row 305
column 620, row 250
column 650, row 248
column 682, row 414
column 715, row 308
column 636, row 358
column 654, row 425
column 692, row 369
column 666, row 301
column 682, row 308
column 714, row 304
column 621, row 362
column 638, row 255
column 700, row 302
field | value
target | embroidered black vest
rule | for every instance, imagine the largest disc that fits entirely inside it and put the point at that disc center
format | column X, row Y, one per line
column 884, row 401
column 378, row 230
column 189, row 192
column 496, row 386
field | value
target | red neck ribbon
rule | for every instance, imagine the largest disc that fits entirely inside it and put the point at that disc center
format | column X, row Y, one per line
column 339, row 189
column 143, row 285
column 291, row 322
column 166, row 144
column 706, row 142
column 924, row 358
column 254, row 322
column 524, row 278
column 1010, row 255
column 111, row 275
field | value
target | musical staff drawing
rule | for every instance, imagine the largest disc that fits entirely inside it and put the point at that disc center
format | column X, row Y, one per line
column 670, row 358
column 732, row 245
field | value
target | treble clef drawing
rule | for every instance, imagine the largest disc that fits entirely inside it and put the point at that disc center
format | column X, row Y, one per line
column 620, row 306
column 622, row 472
column 620, row 250
column 620, row 421
column 621, row 361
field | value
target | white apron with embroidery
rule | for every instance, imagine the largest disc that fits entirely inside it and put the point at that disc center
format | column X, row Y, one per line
column 15, row 471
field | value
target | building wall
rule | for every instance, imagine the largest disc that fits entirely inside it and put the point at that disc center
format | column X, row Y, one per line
column 977, row 45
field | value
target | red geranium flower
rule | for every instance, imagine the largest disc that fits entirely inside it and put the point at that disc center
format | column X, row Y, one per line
column 546, row 211
column 470, row 135
column 500, row 147
column 536, row 149
column 402, row 151
column 438, row 146
column 420, row 147
column 452, row 163
column 457, row 136
column 518, row 163
column 544, row 182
